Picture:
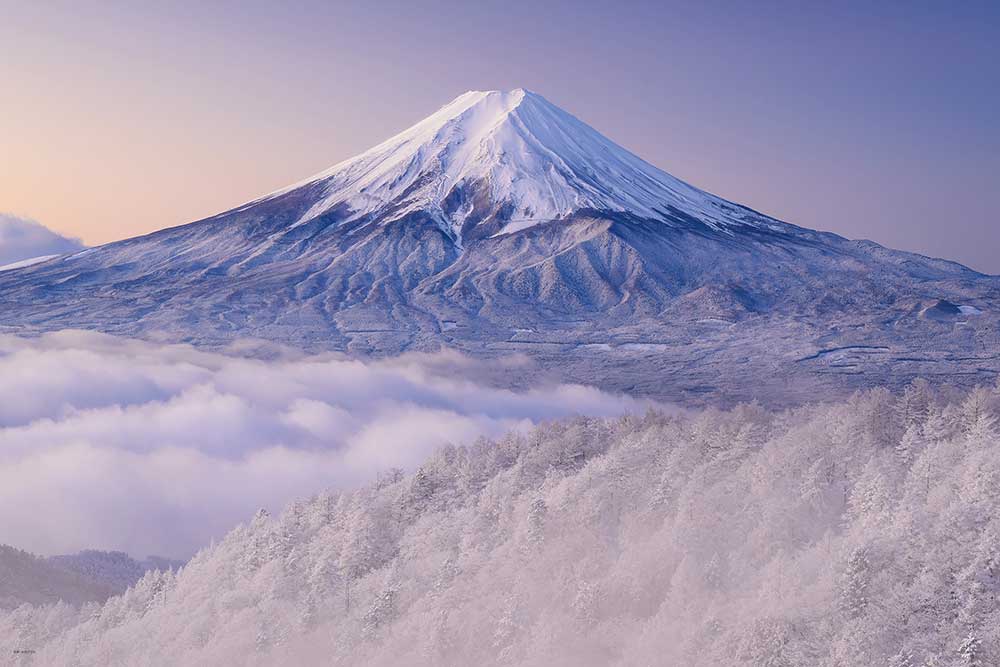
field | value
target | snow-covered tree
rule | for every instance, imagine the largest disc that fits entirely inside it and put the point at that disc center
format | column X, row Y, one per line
column 859, row 533
column 970, row 651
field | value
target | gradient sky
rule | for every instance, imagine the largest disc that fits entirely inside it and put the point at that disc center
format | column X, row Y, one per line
column 873, row 120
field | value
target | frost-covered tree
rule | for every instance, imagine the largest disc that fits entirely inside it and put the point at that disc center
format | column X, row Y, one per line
column 902, row 659
column 854, row 591
column 860, row 533
column 970, row 651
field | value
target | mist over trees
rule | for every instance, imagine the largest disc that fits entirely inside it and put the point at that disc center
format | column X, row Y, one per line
column 865, row 532
column 25, row 577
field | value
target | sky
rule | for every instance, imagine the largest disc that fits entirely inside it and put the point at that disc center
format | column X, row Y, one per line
column 872, row 120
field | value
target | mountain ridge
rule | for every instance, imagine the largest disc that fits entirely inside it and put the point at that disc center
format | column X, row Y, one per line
column 683, row 300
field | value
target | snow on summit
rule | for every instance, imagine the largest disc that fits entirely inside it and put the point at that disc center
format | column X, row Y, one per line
column 535, row 162
column 442, row 237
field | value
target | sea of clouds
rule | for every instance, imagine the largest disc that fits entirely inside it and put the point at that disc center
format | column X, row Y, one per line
column 158, row 449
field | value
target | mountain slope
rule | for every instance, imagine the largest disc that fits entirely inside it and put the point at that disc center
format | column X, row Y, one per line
column 503, row 224
column 114, row 568
column 507, row 158
column 858, row 533
column 76, row 579
column 28, row 579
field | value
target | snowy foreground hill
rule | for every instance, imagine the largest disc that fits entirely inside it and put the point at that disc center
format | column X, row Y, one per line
column 860, row 533
column 502, row 224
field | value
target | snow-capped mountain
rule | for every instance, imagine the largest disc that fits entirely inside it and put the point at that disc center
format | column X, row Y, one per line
column 512, row 159
column 502, row 224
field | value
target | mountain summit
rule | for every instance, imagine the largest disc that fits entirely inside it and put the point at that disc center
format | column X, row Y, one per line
column 503, row 225
column 492, row 162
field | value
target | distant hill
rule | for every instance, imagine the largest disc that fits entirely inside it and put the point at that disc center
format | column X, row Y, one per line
column 25, row 578
column 116, row 568
column 88, row 576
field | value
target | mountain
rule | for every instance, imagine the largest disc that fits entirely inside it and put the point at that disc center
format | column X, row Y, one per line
column 857, row 533
column 493, row 163
column 502, row 224
column 87, row 576
column 26, row 578
column 114, row 568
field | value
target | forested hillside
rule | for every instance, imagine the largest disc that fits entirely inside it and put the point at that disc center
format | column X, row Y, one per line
column 860, row 533
column 112, row 567
column 25, row 577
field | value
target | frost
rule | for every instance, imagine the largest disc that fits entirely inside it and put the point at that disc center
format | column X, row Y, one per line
column 739, row 537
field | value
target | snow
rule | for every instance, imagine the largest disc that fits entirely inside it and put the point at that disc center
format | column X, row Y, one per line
column 382, row 285
column 535, row 158
column 25, row 578
column 832, row 534
column 970, row 310
column 26, row 262
column 645, row 347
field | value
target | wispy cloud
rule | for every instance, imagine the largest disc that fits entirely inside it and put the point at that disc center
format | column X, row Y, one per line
column 22, row 239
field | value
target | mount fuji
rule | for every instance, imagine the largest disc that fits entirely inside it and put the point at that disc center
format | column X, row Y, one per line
column 502, row 224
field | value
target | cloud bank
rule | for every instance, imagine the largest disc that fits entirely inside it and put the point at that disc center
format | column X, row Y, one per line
column 147, row 448
column 22, row 239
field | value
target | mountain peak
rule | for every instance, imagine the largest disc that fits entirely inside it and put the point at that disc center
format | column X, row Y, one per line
column 414, row 246
column 508, row 159
column 516, row 94
column 511, row 97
